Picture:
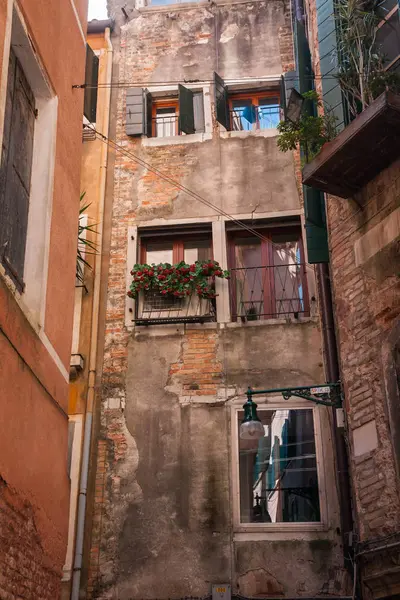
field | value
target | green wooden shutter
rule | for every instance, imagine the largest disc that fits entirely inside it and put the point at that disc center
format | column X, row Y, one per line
column 303, row 59
column 186, row 111
column 316, row 232
column 16, row 170
column 221, row 101
column 136, row 121
column 314, row 200
column 289, row 80
column 91, row 80
column 327, row 40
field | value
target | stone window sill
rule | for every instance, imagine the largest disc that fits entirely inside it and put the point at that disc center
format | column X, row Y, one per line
column 264, row 133
column 175, row 140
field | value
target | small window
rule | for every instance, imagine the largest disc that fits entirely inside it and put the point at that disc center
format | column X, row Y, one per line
column 254, row 112
column 155, row 116
column 246, row 111
column 268, row 275
column 278, row 478
column 170, row 249
column 165, row 117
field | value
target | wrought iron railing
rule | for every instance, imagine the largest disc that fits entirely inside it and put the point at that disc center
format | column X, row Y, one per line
column 243, row 119
column 276, row 291
column 153, row 308
column 165, row 126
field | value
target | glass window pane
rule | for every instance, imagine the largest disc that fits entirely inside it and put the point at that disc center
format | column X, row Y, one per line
column 268, row 113
column 250, row 279
column 278, row 473
column 243, row 115
column 196, row 250
column 288, row 274
column 166, row 119
column 159, row 252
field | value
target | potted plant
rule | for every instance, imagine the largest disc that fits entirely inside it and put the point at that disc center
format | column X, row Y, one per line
column 180, row 280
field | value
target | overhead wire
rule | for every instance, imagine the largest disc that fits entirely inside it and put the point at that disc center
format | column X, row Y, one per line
column 139, row 84
column 178, row 185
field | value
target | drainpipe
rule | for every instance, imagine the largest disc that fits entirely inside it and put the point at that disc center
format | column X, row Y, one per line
column 332, row 374
column 80, row 528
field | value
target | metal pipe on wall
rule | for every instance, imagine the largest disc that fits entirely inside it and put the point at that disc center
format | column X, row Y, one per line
column 333, row 374
column 78, row 559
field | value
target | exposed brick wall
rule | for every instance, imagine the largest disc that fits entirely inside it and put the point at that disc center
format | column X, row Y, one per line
column 198, row 370
column 366, row 311
column 25, row 570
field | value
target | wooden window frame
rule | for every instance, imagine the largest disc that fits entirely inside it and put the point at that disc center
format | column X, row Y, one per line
column 254, row 97
column 157, row 103
column 277, row 403
column 178, row 245
column 267, row 257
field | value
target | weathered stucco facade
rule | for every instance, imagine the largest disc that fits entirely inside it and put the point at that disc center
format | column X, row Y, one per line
column 165, row 521
column 45, row 39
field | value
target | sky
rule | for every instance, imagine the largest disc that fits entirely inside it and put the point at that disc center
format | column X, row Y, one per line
column 97, row 9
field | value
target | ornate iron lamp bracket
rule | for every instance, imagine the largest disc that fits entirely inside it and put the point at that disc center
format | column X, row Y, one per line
column 327, row 394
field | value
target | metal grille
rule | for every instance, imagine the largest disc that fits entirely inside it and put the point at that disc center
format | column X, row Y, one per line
column 165, row 126
column 152, row 307
column 271, row 291
column 154, row 301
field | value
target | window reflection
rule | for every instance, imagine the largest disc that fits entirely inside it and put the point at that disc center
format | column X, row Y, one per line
column 278, row 473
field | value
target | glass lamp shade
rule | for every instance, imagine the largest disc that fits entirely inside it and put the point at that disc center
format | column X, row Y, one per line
column 251, row 430
column 251, row 427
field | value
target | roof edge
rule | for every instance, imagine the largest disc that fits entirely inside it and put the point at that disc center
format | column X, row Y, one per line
column 99, row 26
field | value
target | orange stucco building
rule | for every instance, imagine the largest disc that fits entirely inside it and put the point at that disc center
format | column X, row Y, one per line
column 42, row 56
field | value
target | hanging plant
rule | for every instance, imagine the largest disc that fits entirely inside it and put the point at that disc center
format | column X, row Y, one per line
column 178, row 280
column 311, row 131
column 85, row 246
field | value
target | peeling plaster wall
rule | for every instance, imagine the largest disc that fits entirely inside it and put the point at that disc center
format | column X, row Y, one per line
column 163, row 510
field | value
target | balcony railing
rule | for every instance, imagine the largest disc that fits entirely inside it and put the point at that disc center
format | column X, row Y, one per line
column 277, row 291
column 165, row 126
column 153, row 308
column 243, row 119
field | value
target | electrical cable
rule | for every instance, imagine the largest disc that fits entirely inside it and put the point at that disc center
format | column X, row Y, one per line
column 114, row 145
column 139, row 84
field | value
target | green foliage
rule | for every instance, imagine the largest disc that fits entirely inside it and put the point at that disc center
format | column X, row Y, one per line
column 311, row 132
column 85, row 246
column 360, row 58
column 178, row 280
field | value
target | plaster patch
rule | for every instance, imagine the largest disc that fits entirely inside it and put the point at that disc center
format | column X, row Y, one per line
column 365, row 438
column 229, row 33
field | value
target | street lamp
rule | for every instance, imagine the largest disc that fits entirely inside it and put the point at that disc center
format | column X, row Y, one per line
column 327, row 394
column 251, row 427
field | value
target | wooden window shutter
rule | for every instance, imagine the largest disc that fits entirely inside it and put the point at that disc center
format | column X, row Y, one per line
column 16, row 170
column 186, row 111
column 289, row 80
column 221, row 101
column 136, row 112
column 316, row 231
column 91, row 81
column 198, row 107
column 327, row 40
column 303, row 56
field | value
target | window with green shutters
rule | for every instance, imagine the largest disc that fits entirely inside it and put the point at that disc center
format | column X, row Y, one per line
column 314, row 200
column 164, row 116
